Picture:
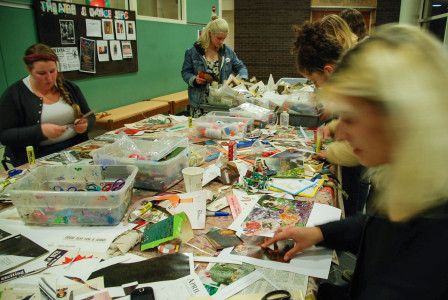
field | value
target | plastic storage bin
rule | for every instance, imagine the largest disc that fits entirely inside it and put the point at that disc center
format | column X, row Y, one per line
column 292, row 81
column 219, row 125
column 304, row 120
column 262, row 116
column 38, row 203
column 152, row 175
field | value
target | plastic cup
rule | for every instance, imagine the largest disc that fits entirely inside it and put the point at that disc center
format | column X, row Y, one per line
column 193, row 178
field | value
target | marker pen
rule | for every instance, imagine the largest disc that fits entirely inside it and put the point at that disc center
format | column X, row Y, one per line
column 217, row 214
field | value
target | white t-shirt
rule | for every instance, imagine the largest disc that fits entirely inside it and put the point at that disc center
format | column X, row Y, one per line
column 59, row 113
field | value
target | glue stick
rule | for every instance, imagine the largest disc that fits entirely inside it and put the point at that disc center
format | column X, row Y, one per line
column 137, row 213
column 31, row 157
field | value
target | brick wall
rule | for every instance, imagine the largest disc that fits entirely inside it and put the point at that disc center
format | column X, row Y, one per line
column 387, row 11
column 263, row 34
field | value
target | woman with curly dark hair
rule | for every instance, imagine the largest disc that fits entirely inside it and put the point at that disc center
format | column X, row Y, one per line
column 318, row 52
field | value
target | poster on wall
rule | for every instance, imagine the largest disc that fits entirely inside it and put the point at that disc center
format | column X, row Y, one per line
column 93, row 28
column 68, row 58
column 130, row 30
column 87, row 51
column 120, row 33
column 103, row 50
column 127, row 49
column 67, row 29
column 62, row 25
column 108, row 29
column 115, row 50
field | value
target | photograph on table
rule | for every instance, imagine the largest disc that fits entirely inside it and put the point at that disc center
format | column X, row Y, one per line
column 251, row 246
column 281, row 167
column 292, row 153
column 224, row 273
column 270, row 213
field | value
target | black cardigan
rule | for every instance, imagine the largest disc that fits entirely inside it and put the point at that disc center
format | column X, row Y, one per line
column 20, row 117
column 395, row 260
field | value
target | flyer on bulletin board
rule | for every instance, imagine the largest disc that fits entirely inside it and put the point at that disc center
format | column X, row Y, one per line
column 68, row 58
column 87, row 49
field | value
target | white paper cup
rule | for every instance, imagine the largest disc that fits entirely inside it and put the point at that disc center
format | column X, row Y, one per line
column 193, row 178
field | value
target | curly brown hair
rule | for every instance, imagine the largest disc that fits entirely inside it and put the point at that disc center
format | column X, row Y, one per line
column 315, row 48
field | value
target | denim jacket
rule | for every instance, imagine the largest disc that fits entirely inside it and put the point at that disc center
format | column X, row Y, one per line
column 194, row 61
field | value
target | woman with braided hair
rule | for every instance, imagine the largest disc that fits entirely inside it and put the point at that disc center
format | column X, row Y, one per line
column 42, row 110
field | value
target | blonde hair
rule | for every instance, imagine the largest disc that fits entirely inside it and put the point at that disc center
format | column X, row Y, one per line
column 336, row 26
column 215, row 26
column 402, row 70
column 45, row 50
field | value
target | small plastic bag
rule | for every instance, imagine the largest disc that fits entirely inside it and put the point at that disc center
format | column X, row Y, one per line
column 257, row 147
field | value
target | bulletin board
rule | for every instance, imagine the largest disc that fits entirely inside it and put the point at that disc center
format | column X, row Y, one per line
column 89, row 41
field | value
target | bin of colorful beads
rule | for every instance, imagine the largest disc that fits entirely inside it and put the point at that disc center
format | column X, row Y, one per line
column 74, row 195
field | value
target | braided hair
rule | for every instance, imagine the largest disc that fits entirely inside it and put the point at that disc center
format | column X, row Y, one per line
column 38, row 52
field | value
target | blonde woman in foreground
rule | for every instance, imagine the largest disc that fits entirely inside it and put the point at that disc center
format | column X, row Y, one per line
column 392, row 95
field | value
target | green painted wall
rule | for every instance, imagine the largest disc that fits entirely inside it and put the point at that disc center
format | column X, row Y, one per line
column 161, row 49
column 200, row 11
column 17, row 32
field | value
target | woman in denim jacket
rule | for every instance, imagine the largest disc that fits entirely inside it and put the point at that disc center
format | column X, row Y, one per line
column 209, row 55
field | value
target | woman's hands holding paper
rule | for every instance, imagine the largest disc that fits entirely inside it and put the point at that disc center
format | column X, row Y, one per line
column 304, row 237
column 80, row 125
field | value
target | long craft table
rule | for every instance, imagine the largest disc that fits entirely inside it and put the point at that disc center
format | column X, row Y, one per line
column 327, row 195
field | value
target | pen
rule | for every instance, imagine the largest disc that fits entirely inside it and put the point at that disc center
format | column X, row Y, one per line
column 217, row 214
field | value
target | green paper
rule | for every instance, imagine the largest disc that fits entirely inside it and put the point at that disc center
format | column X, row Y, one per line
column 163, row 231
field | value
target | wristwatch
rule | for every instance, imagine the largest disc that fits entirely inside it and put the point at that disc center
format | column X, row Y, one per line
column 278, row 295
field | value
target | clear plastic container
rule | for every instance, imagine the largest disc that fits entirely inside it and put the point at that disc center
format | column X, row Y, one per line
column 152, row 175
column 263, row 115
column 39, row 201
column 220, row 124
column 292, row 81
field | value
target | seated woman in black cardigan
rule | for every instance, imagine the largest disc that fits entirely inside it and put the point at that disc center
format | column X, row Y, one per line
column 42, row 110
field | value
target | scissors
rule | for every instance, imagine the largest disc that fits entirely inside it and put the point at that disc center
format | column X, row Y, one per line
column 278, row 294
column 117, row 185
column 59, row 188
column 93, row 187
